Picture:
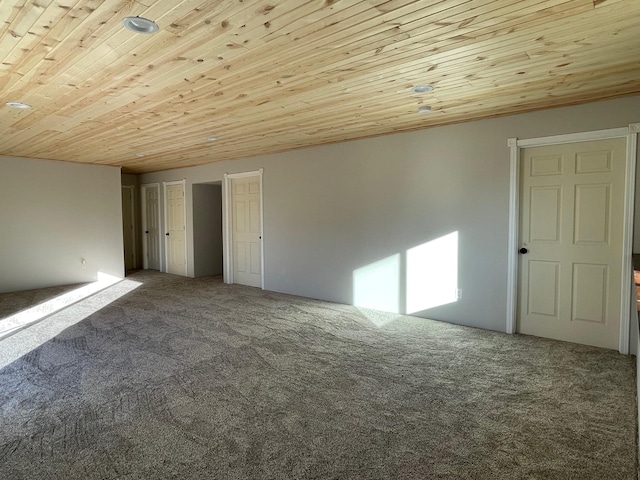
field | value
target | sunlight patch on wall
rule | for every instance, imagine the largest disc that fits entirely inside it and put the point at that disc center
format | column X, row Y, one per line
column 37, row 332
column 376, row 286
column 432, row 274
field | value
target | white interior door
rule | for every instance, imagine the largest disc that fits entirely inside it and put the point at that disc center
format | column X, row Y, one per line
column 151, row 226
column 176, row 229
column 128, row 229
column 246, row 227
column 571, row 225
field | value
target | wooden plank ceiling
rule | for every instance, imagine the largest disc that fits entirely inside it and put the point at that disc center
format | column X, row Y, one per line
column 274, row 75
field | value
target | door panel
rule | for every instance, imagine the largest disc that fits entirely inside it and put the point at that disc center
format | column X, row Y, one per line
column 544, row 217
column 590, row 292
column 151, row 228
column 246, row 231
column 571, row 223
column 176, row 229
column 543, row 300
column 592, row 214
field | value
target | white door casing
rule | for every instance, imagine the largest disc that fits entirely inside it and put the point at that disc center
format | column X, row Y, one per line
column 151, row 233
column 571, row 224
column 624, row 258
column 243, row 229
column 128, row 226
column 175, row 227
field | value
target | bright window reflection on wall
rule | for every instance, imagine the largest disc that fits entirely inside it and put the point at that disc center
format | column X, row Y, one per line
column 432, row 273
column 423, row 277
column 376, row 286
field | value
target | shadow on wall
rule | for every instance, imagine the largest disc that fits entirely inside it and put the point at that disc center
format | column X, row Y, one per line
column 418, row 279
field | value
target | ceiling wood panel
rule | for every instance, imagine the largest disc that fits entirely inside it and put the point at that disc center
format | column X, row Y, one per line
column 272, row 75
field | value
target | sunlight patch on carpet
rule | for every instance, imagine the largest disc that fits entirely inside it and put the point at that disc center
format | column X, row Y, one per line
column 31, row 328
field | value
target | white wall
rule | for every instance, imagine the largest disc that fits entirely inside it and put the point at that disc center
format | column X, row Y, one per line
column 330, row 211
column 54, row 214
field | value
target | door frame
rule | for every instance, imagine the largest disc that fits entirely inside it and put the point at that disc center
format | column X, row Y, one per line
column 227, row 232
column 143, row 214
column 182, row 182
column 132, row 196
column 516, row 145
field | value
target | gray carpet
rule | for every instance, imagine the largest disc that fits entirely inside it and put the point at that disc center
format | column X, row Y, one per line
column 190, row 378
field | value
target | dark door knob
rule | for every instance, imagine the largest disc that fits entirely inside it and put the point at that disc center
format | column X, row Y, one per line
column 146, row 231
column 522, row 250
column 167, row 234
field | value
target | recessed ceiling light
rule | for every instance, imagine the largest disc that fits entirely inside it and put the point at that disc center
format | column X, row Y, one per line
column 425, row 109
column 140, row 25
column 139, row 154
column 422, row 89
column 21, row 105
column 212, row 139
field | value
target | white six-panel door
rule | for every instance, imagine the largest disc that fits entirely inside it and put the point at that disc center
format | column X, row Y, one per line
column 571, row 225
column 151, row 226
column 246, row 227
column 176, row 230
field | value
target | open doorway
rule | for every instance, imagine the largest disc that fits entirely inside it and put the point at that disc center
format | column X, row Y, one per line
column 207, row 229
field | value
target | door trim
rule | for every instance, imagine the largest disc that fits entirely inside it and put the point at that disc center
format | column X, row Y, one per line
column 144, row 220
column 227, row 244
column 132, row 197
column 164, row 207
column 515, row 145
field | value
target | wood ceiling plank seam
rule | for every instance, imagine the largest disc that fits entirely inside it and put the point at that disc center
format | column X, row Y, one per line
column 306, row 13
column 442, row 44
column 313, row 27
column 463, row 102
column 180, row 47
column 210, row 159
column 486, row 17
column 180, row 73
column 396, row 63
column 18, row 26
column 252, row 62
column 587, row 60
column 72, row 48
column 294, row 120
column 493, row 65
column 34, row 36
column 595, row 79
column 70, row 55
column 487, row 49
column 36, row 56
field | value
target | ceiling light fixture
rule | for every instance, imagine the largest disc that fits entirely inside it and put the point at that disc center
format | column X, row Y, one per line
column 140, row 25
column 425, row 109
column 20, row 105
column 422, row 89
column 139, row 154
column 212, row 139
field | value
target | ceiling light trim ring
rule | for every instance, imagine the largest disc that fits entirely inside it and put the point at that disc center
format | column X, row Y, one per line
column 19, row 105
column 422, row 89
column 140, row 25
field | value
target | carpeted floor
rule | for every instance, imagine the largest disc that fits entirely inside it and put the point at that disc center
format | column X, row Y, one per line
column 191, row 378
